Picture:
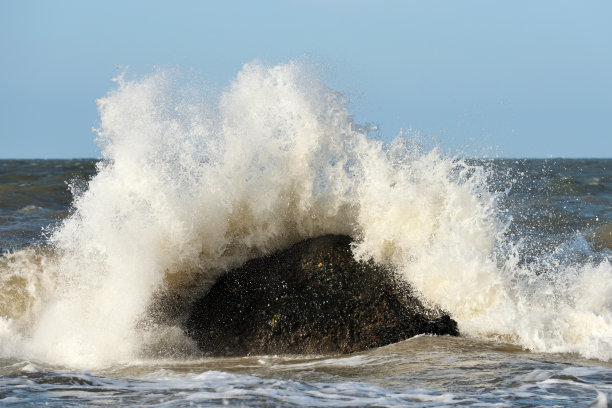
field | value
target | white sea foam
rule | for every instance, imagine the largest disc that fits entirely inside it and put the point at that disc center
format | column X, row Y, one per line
column 211, row 388
column 191, row 185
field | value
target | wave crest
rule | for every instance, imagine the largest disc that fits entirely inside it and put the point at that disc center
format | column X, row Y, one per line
column 192, row 185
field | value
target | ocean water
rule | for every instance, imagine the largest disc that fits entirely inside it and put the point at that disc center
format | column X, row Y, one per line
column 191, row 184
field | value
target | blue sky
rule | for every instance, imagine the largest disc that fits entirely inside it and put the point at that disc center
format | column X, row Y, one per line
column 511, row 78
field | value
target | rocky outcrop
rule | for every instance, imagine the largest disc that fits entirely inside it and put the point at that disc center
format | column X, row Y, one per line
column 312, row 298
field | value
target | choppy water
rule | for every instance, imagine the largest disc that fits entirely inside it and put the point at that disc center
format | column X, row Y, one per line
column 518, row 251
column 35, row 194
column 423, row 371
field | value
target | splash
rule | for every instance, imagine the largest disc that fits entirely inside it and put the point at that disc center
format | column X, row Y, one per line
column 192, row 185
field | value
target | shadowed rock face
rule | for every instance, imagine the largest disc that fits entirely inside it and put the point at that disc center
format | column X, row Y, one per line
column 312, row 298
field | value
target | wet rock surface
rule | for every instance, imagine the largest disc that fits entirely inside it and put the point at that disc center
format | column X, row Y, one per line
column 312, row 298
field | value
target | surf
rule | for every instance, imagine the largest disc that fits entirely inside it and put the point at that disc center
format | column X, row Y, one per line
column 192, row 184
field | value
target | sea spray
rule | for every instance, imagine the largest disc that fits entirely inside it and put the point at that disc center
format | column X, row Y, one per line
column 191, row 185
column 182, row 192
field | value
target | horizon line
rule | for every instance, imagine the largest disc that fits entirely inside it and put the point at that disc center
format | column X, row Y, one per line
column 453, row 157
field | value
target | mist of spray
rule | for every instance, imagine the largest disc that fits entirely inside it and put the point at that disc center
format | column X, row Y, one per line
column 192, row 185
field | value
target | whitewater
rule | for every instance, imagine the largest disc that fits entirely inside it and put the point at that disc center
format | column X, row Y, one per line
column 193, row 183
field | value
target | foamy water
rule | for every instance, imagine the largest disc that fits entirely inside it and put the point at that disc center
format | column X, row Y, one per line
column 424, row 371
column 192, row 184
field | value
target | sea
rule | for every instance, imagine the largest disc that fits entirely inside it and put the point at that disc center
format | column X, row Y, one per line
column 193, row 182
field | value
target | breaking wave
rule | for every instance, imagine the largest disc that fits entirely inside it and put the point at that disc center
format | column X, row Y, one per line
column 191, row 184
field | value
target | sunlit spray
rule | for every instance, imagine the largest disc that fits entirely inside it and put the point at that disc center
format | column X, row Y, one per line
column 191, row 185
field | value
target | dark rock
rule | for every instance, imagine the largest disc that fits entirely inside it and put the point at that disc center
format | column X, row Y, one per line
column 312, row 298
